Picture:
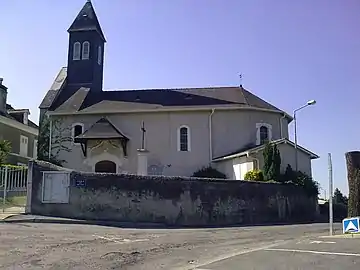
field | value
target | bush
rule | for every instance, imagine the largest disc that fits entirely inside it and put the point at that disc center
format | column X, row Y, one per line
column 301, row 179
column 13, row 166
column 254, row 175
column 5, row 148
column 209, row 172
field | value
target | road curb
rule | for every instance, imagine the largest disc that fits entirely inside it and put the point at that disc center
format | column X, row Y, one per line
column 13, row 219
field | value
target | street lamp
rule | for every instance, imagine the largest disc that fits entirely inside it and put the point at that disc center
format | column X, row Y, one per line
column 309, row 103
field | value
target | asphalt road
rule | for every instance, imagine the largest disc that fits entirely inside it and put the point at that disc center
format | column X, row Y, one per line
column 60, row 246
column 331, row 254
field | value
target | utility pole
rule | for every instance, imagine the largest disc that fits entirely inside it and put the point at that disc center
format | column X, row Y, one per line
column 331, row 221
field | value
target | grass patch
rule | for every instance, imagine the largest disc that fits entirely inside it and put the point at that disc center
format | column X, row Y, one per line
column 15, row 201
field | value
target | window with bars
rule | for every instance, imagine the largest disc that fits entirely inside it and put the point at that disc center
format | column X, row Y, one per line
column 184, row 139
column 264, row 135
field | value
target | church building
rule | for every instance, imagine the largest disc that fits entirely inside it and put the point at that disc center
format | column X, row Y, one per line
column 172, row 132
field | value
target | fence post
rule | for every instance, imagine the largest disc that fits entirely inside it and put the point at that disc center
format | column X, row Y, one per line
column 5, row 187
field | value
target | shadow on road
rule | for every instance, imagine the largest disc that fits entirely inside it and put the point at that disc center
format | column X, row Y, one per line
column 25, row 218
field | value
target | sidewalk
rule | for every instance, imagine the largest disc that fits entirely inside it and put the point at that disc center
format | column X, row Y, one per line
column 11, row 211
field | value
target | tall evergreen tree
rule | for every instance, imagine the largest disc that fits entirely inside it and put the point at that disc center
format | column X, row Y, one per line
column 268, row 158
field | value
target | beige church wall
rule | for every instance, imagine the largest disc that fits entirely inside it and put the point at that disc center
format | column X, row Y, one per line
column 231, row 130
column 161, row 140
column 236, row 129
column 287, row 153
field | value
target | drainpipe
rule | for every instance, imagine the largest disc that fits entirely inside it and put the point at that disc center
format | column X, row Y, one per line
column 210, row 134
column 281, row 126
column 50, row 137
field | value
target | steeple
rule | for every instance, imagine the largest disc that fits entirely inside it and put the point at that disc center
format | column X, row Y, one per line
column 87, row 20
column 86, row 51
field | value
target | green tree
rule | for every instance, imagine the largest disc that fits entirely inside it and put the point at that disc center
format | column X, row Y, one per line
column 268, row 158
column 289, row 176
column 5, row 148
column 339, row 197
column 272, row 162
column 61, row 137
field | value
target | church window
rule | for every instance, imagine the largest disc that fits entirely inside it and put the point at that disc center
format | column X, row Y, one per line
column 77, row 129
column 85, row 50
column 184, row 139
column 99, row 55
column 76, row 51
column 263, row 133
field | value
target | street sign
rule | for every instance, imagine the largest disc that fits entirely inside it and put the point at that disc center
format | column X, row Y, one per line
column 351, row 225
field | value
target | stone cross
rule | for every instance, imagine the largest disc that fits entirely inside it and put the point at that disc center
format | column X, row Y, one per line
column 143, row 130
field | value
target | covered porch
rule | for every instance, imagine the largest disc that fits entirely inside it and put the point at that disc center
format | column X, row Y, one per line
column 237, row 164
column 104, row 147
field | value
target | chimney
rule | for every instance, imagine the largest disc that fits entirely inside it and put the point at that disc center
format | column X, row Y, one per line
column 3, row 96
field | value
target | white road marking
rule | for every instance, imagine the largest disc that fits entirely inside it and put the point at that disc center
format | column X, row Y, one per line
column 228, row 256
column 322, row 242
column 119, row 240
column 313, row 252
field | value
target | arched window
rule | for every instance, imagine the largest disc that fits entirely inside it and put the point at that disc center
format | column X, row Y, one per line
column 99, row 55
column 85, row 50
column 76, row 51
column 184, row 139
column 264, row 134
column 77, row 129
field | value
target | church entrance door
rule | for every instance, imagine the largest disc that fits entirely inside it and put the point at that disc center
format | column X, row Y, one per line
column 105, row 166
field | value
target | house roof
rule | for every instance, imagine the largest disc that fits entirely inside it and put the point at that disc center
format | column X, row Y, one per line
column 11, row 113
column 87, row 20
column 102, row 129
column 251, row 149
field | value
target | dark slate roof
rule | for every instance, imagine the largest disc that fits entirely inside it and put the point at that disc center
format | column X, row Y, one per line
column 54, row 89
column 87, row 20
column 17, row 119
column 103, row 128
column 156, row 97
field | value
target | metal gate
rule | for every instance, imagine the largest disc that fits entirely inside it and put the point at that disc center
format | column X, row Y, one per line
column 13, row 181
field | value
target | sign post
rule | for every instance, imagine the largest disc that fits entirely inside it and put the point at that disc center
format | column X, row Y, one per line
column 351, row 225
column 331, row 219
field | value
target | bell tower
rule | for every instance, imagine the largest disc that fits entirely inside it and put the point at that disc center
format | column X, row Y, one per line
column 86, row 50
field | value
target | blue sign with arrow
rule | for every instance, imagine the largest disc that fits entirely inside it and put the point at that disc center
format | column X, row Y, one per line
column 351, row 225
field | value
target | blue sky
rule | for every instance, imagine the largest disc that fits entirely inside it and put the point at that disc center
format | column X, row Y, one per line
column 288, row 52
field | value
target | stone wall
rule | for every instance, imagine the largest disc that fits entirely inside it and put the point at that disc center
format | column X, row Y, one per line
column 172, row 200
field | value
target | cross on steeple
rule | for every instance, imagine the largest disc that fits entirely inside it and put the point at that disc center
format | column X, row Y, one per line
column 143, row 130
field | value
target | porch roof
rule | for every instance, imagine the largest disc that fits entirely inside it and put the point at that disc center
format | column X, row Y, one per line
column 252, row 149
column 102, row 129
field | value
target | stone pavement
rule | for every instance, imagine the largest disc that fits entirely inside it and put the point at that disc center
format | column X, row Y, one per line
column 332, row 253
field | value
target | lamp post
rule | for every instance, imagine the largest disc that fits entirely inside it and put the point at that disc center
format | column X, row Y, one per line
column 309, row 103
